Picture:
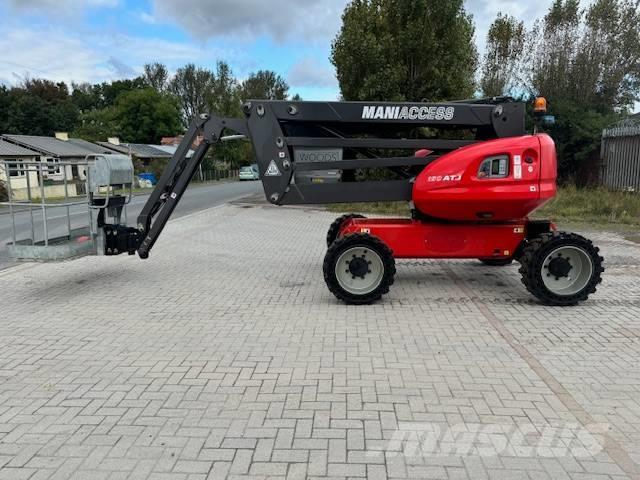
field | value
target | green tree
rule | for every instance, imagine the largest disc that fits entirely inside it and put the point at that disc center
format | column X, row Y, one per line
column 46, row 89
column 145, row 116
column 587, row 63
column 38, row 107
column 264, row 85
column 590, row 57
column 97, row 125
column 578, row 133
column 405, row 50
column 5, row 101
column 224, row 99
column 505, row 44
column 109, row 92
column 86, row 96
column 607, row 63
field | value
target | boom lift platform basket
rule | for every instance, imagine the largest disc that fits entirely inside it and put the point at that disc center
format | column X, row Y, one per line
column 60, row 218
column 470, row 170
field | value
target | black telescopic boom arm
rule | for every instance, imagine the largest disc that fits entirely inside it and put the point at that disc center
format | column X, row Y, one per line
column 176, row 177
column 172, row 184
column 290, row 137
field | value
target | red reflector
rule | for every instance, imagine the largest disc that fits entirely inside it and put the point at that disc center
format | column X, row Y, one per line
column 423, row 153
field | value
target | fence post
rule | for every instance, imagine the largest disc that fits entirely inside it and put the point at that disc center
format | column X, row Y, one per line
column 30, row 200
column 66, row 200
column 7, row 170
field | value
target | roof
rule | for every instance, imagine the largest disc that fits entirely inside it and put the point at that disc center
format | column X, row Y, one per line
column 171, row 149
column 171, row 140
column 627, row 127
column 178, row 140
column 11, row 149
column 50, row 146
column 140, row 150
column 98, row 149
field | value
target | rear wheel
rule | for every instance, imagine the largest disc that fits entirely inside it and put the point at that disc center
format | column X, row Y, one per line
column 336, row 226
column 561, row 268
column 496, row 262
column 359, row 268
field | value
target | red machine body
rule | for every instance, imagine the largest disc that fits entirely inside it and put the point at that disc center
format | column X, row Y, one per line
column 418, row 239
column 451, row 189
column 460, row 213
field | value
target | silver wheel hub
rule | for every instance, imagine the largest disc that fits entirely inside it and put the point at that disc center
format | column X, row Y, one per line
column 359, row 270
column 567, row 270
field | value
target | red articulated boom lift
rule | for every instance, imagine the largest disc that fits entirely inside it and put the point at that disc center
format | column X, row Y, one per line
column 470, row 170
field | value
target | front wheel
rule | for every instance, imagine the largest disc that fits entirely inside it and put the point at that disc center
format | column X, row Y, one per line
column 359, row 268
column 561, row 268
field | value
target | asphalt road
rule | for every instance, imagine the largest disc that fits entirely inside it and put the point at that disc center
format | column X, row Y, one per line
column 197, row 197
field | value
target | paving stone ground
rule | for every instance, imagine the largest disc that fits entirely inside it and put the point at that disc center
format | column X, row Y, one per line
column 224, row 355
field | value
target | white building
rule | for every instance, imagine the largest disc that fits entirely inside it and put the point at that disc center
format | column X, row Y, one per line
column 65, row 158
column 11, row 167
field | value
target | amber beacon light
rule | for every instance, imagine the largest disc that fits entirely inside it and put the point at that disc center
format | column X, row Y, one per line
column 540, row 105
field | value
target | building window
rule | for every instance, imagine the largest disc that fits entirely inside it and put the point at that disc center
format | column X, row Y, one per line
column 53, row 167
column 15, row 169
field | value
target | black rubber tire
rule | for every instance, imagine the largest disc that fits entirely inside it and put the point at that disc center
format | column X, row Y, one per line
column 337, row 224
column 496, row 262
column 535, row 253
column 371, row 243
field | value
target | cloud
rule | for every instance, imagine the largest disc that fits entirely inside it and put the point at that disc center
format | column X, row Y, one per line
column 147, row 18
column 121, row 69
column 308, row 72
column 60, row 57
column 61, row 6
column 63, row 55
column 304, row 21
column 301, row 21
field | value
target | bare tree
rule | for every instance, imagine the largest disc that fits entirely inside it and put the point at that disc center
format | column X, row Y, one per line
column 224, row 98
column 192, row 86
column 156, row 76
column 607, row 64
column 554, row 44
column 505, row 43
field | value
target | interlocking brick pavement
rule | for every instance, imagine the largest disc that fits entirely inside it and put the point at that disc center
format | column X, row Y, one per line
column 224, row 355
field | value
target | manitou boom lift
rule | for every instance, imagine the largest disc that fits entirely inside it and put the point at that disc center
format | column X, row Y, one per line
column 470, row 170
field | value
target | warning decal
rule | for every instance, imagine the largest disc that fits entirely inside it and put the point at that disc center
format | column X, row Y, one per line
column 273, row 170
column 517, row 167
column 517, row 172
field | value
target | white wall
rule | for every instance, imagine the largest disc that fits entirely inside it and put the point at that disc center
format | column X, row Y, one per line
column 19, row 177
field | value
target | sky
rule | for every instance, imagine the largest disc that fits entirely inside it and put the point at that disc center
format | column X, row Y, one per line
column 101, row 40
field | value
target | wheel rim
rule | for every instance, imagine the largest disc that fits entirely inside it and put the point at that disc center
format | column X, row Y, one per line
column 359, row 270
column 567, row 270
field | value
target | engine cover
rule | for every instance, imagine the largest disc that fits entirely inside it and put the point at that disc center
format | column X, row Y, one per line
column 496, row 180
